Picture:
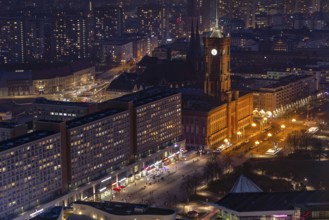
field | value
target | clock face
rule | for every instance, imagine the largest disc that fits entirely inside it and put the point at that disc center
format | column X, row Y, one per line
column 214, row 52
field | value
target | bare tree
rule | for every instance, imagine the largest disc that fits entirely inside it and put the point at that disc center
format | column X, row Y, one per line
column 187, row 187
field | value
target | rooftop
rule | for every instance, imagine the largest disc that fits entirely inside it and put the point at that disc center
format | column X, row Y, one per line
column 147, row 96
column 286, row 81
column 244, row 185
column 61, row 103
column 92, row 117
column 9, row 124
column 11, row 143
column 51, row 214
column 274, row 201
column 118, row 208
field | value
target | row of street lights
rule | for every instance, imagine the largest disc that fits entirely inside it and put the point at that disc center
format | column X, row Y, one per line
column 262, row 124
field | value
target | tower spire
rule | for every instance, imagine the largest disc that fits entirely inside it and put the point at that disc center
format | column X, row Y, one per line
column 216, row 32
column 216, row 8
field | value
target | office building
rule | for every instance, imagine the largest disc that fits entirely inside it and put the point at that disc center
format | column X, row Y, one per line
column 107, row 148
column 30, row 171
column 108, row 22
column 69, row 39
column 117, row 51
column 98, row 144
column 157, row 119
column 11, row 40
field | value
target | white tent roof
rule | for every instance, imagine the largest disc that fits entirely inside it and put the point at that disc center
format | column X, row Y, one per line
column 244, row 185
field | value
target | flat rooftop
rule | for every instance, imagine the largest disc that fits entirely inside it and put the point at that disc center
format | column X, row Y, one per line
column 274, row 201
column 9, row 124
column 92, row 117
column 24, row 139
column 118, row 208
column 147, row 96
column 285, row 81
column 60, row 103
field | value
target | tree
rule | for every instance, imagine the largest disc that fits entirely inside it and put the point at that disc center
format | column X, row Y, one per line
column 317, row 147
column 187, row 187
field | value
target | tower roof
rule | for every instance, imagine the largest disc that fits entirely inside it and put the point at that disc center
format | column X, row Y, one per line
column 216, row 33
column 244, row 185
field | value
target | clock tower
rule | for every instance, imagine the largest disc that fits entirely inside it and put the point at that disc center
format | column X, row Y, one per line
column 217, row 81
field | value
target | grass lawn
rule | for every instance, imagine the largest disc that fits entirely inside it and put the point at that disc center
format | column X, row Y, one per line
column 313, row 172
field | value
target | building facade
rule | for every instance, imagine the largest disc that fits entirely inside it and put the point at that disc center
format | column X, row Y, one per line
column 156, row 113
column 29, row 80
column 43, row 109
column 286, row 92
column 99, row 143
column 68, row 160
column 219, row 114
column 30, row 172
column 10, row 130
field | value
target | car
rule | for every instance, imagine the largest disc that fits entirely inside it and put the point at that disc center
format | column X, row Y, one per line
column 193, row 214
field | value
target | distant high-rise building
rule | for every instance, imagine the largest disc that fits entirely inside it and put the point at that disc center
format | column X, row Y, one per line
column 11, row 40
column 153, row 20
column 108, row 22
column 69, row 40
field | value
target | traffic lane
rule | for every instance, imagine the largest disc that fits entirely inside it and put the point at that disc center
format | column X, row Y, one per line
column 169, row 187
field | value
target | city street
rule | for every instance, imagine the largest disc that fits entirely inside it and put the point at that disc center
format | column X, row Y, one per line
column 162, row 192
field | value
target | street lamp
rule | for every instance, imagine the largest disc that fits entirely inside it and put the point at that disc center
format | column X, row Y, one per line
column 239, row 133
column 257, row 143
column 263, row 123
column 269, row 135
column 293, row 120
column 283, row 126
column 253, row 124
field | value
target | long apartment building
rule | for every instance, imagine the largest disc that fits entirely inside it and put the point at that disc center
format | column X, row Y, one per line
column 157, row 115
column 98, row 144
column 69, row 154
column 30, row 171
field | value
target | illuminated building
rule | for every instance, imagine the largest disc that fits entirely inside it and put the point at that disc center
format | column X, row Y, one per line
column 153, row 20
column 18, row 80
column 98, row 144
column 108, row 22
column 287, row 92
column 11, row 40
column 30, row 171
column 124, row 138
column 219, row 113
column 157, row 117
column 117, row 51
column 69, row 40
